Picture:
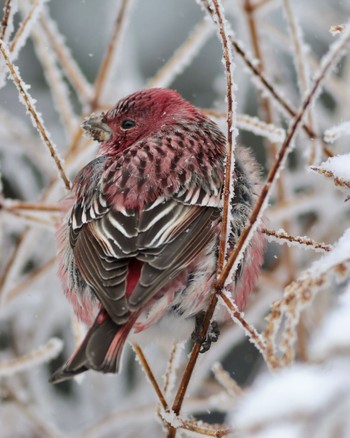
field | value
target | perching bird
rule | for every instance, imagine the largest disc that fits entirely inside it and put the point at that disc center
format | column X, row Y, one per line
column 140, row 239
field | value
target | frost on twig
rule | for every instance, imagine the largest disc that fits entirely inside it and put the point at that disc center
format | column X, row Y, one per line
column 68, row 64
column 303, row 73
column 6, row 26
column 110, row 54
column 172, row 368
column 254, row 125
column 226, row 381
column 216, row 11
column 38, row 123
column 281, row 236
column 55, row 80
column 25, row 27
column 43, row 354
column 338, row 169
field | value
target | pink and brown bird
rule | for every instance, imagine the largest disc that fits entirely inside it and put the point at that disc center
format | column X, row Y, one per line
column 140, row 238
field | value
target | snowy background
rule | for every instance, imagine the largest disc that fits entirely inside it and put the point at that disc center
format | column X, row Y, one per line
column 298, row 384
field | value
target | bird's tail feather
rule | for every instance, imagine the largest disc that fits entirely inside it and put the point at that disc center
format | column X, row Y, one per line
column 100, row 350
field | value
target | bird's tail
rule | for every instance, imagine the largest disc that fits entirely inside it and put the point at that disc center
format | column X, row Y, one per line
column 100, row 350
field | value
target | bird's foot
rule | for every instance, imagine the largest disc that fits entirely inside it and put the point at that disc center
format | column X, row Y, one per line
column 212, row 335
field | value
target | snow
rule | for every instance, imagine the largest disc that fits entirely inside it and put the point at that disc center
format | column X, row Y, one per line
column 290, row 392
column 339, row 166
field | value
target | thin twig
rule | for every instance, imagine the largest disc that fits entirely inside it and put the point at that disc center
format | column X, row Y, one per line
column 100, row 81
column 267, row 111
column 302, row 71
column 255, row 337
column 30, row 218
column 40, row 355
column 10, row 204
column 252, row 124
column 22, row 30
column 71, row 69
column 58, row 87
column 303, row 241
column 217, row 16
column 28, row 280
column 219, row 19
column 38, row 123
column 5, row 19
column 181, row 392
column 150, row 375
column 12, row 259
column 287, row 107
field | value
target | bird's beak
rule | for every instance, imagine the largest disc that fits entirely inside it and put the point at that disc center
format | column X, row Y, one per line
column 96, row 129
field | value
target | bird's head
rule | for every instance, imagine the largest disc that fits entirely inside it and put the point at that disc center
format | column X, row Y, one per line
column 136, row 117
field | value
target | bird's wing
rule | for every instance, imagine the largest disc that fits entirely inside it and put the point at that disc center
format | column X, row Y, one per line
column 127, row 255
column 127, row 265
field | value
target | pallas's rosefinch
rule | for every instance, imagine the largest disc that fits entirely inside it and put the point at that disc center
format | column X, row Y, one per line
column 140, row 239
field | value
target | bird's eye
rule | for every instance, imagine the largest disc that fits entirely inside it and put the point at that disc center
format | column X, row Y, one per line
column 127, row 124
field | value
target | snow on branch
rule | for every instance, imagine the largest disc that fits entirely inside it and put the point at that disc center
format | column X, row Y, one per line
column 338, row 169
column 41, row 355
column 38, row 123
column 25, row 28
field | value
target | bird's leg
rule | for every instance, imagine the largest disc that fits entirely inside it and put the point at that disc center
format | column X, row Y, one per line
column 212, row 335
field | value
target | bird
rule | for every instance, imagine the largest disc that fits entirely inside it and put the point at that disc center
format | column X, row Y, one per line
column 139, row 237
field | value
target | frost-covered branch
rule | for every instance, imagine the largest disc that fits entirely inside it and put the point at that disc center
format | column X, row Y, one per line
column 38, row 123
column 42, row 354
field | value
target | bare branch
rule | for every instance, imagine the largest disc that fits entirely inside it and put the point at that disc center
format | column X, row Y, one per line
column 150, row 375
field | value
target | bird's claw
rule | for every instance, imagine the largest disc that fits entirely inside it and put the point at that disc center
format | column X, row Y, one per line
column 212, row 335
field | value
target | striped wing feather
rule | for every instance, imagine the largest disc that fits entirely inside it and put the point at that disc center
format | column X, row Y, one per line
column 165, row 237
